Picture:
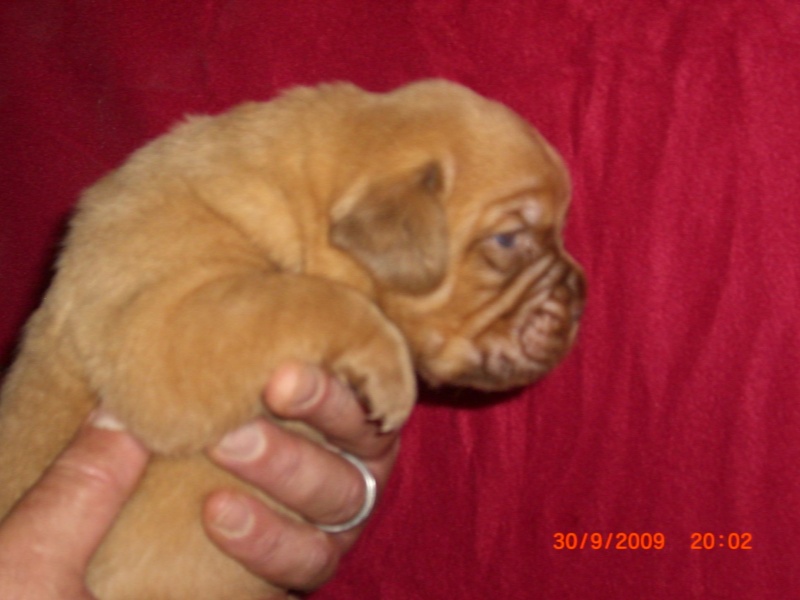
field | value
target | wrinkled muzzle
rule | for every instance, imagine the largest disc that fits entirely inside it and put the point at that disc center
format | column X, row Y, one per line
column 528, row 341
column 546, row 323
column 520, row 336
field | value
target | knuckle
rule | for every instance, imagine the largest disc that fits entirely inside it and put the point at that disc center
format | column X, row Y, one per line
column 268, row 544
column 353, row 494
column 350, row 497
column 285, row 467
column 87, row 473
column 321, row 560
column 301, row 559
column 338, row 395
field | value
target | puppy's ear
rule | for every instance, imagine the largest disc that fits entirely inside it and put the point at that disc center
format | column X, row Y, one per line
column 396, row 228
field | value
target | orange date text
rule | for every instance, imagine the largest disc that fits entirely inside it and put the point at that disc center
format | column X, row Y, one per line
column 609, row 541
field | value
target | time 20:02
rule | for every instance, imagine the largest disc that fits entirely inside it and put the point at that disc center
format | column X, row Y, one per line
column 729, row 541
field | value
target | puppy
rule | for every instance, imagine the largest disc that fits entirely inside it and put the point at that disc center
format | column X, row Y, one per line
column 372, row 234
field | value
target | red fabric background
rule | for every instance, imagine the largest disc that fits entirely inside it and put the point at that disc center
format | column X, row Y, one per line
column 678, row 411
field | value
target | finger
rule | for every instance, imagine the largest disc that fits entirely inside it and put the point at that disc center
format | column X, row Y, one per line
column 306, row 393
column 315, row 482
column 61, row 521
column 284, row 551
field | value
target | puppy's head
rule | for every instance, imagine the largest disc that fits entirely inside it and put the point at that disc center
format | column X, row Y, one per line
column 454, row 205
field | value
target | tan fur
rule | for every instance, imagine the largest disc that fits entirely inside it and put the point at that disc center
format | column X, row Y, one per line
column 330, row 225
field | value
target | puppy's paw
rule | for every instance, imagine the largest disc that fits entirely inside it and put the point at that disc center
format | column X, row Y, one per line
column 381, row 371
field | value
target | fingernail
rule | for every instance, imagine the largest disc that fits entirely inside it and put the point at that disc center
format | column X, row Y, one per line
column 242, row 445
column 234, row 518
column 297, row 388
column 101, row 419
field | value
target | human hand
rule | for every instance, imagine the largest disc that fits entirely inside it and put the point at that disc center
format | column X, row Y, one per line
column 48, row 539
column 313, row 481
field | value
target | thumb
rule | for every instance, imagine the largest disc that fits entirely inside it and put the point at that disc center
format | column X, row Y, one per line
column 56, row 527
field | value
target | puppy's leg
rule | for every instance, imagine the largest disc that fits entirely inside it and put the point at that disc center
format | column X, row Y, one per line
column 183, row 363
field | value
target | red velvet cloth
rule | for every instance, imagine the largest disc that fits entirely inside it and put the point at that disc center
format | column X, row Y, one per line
column 678, row 411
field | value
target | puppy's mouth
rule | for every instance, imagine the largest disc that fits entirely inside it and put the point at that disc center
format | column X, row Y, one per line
column 519, row 346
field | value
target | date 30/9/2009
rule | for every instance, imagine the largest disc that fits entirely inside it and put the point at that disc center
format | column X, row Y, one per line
column 649, row 541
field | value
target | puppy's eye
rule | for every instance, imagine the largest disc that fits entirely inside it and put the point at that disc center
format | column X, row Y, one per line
column 507, row 239
column 508, row 251
column 517, row 239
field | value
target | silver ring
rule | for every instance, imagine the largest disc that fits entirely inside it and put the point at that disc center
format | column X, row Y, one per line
column 370, row 495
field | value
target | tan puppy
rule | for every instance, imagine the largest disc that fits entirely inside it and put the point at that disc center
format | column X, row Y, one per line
column 373, row 234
